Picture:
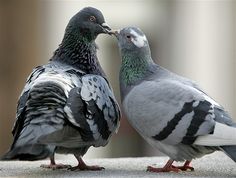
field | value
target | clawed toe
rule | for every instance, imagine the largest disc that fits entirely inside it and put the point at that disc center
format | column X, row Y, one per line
column 184, row 168
column 55, row 166
column 86, row 168
column 164, row 169
column 171, row 168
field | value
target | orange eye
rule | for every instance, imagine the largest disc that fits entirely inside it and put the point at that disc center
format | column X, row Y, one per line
column 92, row 18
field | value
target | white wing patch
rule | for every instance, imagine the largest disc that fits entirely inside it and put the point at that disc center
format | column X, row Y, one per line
column 63, row 81
column 138, row 40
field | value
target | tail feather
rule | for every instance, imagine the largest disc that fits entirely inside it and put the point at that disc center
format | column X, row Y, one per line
column 29, row 152
column 27, row 146
column 230, row 151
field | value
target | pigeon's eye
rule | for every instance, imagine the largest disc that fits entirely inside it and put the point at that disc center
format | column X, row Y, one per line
column 92, row 18
column 128, row 36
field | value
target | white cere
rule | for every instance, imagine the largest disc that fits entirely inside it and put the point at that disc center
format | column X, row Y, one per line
column 138, row 40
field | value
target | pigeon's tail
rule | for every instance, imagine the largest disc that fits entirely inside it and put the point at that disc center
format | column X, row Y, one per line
column 29, row 152
column 26, row 145
column 230, row 151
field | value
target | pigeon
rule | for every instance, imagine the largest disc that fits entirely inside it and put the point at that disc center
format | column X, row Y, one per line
column 170, row 112
column 67, row 105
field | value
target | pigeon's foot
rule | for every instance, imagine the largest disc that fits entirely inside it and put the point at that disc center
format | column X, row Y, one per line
column 164, row 169
column 55, row 166
column 167, row 168
column 185, row 167
column 84, row 167
column 171, row 168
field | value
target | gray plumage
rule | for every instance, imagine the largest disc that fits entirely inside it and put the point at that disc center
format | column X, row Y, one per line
column 67, row 105
column 170, row 112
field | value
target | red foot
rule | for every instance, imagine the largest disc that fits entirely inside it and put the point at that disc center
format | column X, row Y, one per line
column 55, row 166
column 83, row 167
column 168, row 169
column 185, row 167
column 86, row 168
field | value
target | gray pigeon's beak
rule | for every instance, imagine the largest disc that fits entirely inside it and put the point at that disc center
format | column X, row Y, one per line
column 115, row 33
column 106, row 28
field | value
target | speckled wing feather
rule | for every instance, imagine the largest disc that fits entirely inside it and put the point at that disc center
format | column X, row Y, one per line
column 93, row 109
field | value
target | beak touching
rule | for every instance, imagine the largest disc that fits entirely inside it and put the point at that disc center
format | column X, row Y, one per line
column 115, row 33
column 106, row 28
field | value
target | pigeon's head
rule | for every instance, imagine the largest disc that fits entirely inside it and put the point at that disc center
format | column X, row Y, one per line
column 88, row 23
column 131, row 39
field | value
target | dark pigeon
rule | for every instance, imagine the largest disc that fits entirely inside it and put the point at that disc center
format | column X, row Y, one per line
column 67, row 105
column 172, row 113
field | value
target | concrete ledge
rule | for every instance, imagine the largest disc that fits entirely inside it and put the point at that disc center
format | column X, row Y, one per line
column 214, row 165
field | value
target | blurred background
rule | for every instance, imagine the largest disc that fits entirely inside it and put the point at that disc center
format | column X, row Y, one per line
column 196, row 39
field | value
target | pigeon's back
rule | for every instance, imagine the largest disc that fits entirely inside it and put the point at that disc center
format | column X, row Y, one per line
column 54, row 110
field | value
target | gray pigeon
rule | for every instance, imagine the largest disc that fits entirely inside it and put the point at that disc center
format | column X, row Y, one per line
column 67, row 105
column 169, row 111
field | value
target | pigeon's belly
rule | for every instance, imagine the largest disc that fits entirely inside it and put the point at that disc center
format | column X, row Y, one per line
column 68, row 139
column 180, row 152
column 77, row 151
column 170, row 150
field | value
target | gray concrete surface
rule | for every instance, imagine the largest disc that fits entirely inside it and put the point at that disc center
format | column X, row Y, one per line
column 214, row 165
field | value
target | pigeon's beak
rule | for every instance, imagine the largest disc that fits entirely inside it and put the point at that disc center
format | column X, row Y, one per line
column 106, row 28
column 115, row 33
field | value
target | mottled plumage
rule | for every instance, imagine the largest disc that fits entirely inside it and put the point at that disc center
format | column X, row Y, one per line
column 67, row 105
column 170, row 112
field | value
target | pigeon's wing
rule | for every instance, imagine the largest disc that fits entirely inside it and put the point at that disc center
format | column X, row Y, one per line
column 93, row 109
column 175, row 112
column 21, row 105
column 40, row 113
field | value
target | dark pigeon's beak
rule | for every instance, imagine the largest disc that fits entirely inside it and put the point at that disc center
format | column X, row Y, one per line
column 106, row 28
column 115, row 33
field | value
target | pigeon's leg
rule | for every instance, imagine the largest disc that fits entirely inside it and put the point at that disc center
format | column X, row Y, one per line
column 53, row 164
column 185, row 167
column 167, row 168
column 83, row 167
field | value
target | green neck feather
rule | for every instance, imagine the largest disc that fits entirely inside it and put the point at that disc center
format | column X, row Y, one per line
column 133, row 68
